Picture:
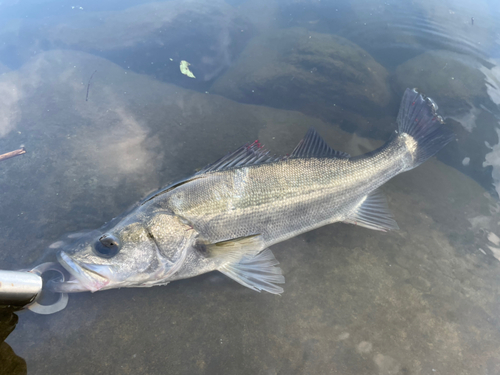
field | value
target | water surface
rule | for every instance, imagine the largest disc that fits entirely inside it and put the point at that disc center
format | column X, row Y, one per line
column 421, row 300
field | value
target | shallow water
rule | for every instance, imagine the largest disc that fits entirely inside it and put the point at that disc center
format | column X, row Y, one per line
column 420, row 300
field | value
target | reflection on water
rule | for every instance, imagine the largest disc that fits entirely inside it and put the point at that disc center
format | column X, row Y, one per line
column 423, row 299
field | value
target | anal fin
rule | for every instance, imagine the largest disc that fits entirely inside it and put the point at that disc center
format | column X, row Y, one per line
column 373, row 213
column 258, row 272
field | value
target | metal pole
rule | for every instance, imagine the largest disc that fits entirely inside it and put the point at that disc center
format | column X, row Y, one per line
column 19, row 288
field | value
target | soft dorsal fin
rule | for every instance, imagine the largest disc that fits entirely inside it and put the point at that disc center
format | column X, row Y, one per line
column 312, row 145
column 373, row 213
column 249, row 154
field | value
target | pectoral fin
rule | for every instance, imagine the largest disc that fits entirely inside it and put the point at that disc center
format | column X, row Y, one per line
column 232, row 250
column 373, row 213
column 258, row 272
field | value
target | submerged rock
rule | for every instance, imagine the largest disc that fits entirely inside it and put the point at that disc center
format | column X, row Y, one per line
column 460, row 86
column 150, row 38
column 453, row 80
column 393, row 32
column 318, row 74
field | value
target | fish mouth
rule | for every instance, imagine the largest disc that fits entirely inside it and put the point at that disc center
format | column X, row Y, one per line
column 83, row 278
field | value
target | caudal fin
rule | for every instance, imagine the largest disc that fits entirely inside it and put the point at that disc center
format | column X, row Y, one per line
column 418, row 118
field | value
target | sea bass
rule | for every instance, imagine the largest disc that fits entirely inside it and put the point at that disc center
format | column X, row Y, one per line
column 226, row 216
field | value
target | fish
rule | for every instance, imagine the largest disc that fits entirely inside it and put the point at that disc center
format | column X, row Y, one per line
column 226, row 216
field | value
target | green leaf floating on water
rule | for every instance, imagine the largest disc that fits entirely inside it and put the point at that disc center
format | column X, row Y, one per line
column 185, row 69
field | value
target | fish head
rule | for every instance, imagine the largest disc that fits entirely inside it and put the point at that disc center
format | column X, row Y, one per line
column 126, row 255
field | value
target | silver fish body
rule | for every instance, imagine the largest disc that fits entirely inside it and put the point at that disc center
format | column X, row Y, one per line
column 227, row 215
column 282, row 199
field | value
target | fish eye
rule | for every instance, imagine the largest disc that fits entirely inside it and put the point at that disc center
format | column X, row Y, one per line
column 107, row 246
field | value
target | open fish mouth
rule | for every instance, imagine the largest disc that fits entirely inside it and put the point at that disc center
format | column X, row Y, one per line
column 82, row 279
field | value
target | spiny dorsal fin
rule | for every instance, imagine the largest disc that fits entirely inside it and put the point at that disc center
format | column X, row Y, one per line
column 258, row 272
column 373, row 213
column 312, row 145
column 167, row 189
column 249, row 154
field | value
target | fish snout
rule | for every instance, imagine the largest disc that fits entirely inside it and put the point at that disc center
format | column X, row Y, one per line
column 90, row 277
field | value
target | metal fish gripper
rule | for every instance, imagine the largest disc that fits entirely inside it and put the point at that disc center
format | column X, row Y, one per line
column 22, row 289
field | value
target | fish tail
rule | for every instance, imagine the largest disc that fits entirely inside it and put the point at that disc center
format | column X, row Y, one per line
column 421, row 127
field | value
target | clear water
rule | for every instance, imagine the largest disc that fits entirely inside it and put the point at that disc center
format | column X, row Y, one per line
column 421, row 300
